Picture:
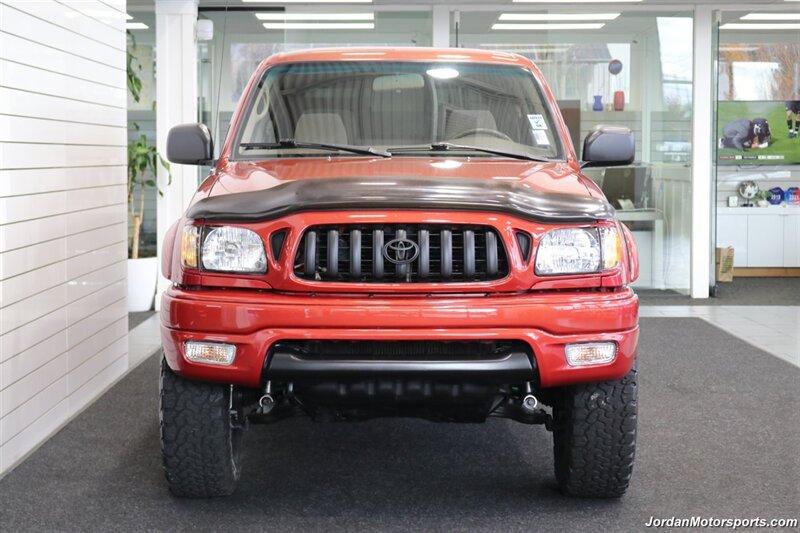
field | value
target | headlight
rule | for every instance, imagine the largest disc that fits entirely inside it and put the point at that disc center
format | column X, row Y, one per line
column 578, row 251
column 233, row 249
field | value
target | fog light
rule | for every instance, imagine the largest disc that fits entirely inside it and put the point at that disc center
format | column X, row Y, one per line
column 590, row 353
column 213, row 353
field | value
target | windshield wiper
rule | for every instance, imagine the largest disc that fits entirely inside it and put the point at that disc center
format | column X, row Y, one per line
column 446, row 147
column 292, row 143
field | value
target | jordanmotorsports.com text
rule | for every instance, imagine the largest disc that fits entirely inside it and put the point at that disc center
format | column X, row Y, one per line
column 728, row 523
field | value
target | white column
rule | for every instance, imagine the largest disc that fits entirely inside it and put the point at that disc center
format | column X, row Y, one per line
column 702, row 150
column 441, row 26
column 176, row 103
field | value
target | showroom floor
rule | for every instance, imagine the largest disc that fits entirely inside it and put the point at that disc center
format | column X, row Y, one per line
column 718, row 435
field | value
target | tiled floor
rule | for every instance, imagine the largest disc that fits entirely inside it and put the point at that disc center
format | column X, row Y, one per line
column 774, row 329
column 143, row 341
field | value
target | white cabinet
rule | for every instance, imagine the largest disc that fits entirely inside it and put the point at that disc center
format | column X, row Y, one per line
column 765, row 241
column 732, row 231
column 761, row 237
column 791, row 238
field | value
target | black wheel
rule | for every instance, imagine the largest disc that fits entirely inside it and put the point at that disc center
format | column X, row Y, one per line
column 594, row 437
column 199, row 445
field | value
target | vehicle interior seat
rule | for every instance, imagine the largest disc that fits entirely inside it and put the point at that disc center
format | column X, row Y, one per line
column 321, row 128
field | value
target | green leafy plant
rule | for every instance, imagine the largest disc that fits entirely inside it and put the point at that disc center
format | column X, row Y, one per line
column 143, row 158
column 762, row 195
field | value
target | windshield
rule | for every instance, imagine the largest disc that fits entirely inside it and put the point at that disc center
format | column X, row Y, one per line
column 406, row 108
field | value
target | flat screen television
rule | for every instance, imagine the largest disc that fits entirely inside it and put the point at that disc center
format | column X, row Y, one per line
column 740, row 134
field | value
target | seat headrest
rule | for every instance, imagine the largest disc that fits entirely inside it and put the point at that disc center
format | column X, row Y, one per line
column 320, row 128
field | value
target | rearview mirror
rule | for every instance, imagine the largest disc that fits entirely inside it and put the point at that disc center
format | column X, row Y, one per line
column 608, row 146
column 190, row 144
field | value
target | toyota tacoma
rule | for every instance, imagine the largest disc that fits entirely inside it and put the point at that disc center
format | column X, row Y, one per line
column 399, row 232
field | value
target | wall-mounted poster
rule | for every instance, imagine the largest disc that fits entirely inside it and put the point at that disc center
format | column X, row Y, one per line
column 758, row 133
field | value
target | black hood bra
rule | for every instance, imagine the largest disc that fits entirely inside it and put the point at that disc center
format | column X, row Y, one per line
column 409, row 193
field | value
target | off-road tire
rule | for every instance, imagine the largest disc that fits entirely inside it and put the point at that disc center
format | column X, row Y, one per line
column 199, row 446
column 594, row 437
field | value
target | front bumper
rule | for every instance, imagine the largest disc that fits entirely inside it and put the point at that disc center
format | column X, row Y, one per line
column 254, row 321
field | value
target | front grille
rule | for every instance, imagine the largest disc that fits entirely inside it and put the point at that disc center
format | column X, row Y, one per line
column 440, row 253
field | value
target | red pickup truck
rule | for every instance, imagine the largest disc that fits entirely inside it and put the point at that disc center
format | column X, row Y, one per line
column 399, row 232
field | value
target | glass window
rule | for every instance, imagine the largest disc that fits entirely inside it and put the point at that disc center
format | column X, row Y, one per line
column 244, row 38
column 631, row 69
column 758, row 143
column 387, row 105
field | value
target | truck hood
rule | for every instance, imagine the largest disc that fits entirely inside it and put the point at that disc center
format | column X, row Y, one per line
column 261, row 190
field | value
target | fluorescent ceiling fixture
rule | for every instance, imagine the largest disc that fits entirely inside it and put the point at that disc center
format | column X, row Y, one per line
column 308, row 1
column 558, row 16
column 537, row 50
column 315, row 16
column 443, row 73
column 136, row 26
column 751, row 26
column 319, row 25
column 128, row 17
column 772, row 16
column 583, row 1
column 506, row 46
column 547, row 27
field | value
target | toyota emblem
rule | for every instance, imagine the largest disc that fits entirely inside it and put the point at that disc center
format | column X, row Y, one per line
column 400, row 251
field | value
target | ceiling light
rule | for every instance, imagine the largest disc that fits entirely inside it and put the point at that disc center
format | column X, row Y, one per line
column 443, row 73
column 548, row 27
column 136, row 26
column 772, row 16
column 128, row 17
column 315, row 16
column 319, row 25
column 583, row 1
column 556, row 16
column 308, row 2
column 749, row 26
column 724, row 48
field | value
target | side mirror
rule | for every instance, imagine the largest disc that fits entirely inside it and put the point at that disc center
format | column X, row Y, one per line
column 608, row 146
column 190, row 144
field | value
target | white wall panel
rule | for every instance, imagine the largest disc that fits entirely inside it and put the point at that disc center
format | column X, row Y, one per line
column 25, row 78
column 20, row 23
column 23, row 103
column 32, row 333
column 30, row 232
column 32, row 181
column 26, row 155
column 20, row 418
column 63, row 213
column 18, row 288
column 36, row 130
column 63, row 15
column 24, row 389
column 30, row 53
column 94, row 290
column 34, row 357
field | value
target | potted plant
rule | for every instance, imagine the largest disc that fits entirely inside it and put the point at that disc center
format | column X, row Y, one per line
column 762, row 198
column 143, row 163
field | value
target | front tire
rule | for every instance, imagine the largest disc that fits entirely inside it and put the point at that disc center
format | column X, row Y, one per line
column 200, row 447
column 594, row 437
